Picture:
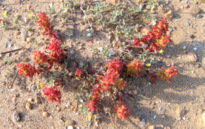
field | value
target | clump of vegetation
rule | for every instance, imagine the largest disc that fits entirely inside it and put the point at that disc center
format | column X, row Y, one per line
column 117, row 72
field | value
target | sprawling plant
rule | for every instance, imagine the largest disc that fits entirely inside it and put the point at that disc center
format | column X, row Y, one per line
column 118, row 71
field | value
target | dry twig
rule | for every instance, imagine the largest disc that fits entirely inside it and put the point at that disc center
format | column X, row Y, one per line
column 11, row 51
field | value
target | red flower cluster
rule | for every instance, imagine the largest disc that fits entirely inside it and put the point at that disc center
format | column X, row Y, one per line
column 112, row 79
column 115, row 66
column 46, row 25
column 94, row 99
column 53, row 94
column 56, row 50
column 155, row 39
column 134, row 68
column 113, row 76
column 42, row 58
column 168, row 73
column 28, row 70
column 79, row 72
column 153, row 78
column 122, row 111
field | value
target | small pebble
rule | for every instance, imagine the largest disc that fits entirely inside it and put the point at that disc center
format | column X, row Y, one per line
column 24, row 34
column 16, row 116
column 184, row 47
column 90, row 123
column 30, row 100
column 17, row 16
column 199, row 16
column 144, row 121
column 45, row 114
column 186, row 6
column 192, row 57
column 70, row 127
column 28, row 106
column 69, row 122
column 154, row 23
column 28, row 40
column 81, row 100
column 17, row 33
column 155, row 117
column 187, row 23
column 142, row 117
column 26, row 20
column 68, row 104
column 138, row 119
column 112, row 53
column 151, row 127
column 58, row 109
column 160, row 109
column 159, row 63
column 13, row 100
column 195, row 48
column 169, row 14
column 89, row 34
column 195, row 10
column 203, row 118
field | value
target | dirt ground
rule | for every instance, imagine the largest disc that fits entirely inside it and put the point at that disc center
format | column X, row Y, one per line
column 179, row 104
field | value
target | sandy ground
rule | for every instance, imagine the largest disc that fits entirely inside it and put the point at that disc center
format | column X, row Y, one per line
column 179, row 104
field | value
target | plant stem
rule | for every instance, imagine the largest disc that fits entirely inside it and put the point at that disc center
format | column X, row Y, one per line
column 14, row 79
column 11, row 51
column 86, row 17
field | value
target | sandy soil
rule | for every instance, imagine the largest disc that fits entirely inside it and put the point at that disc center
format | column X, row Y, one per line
column 179, row 104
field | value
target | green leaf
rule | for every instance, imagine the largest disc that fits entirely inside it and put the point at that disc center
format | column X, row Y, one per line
column 83, row 110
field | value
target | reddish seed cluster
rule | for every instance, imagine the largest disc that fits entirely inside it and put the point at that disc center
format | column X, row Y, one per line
column 168, row 73
column 56, row 55
column 153, row 78
column 155, row 39
column 106, row 82
column 46, row 25
column 40, row 57
column 94, row 99
column 112, row 78
column 56, row 50
column 134, row 68
column 28, row 70
column 53, row 94
column 79, row 73
column 122, row 111
column 115, row 66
